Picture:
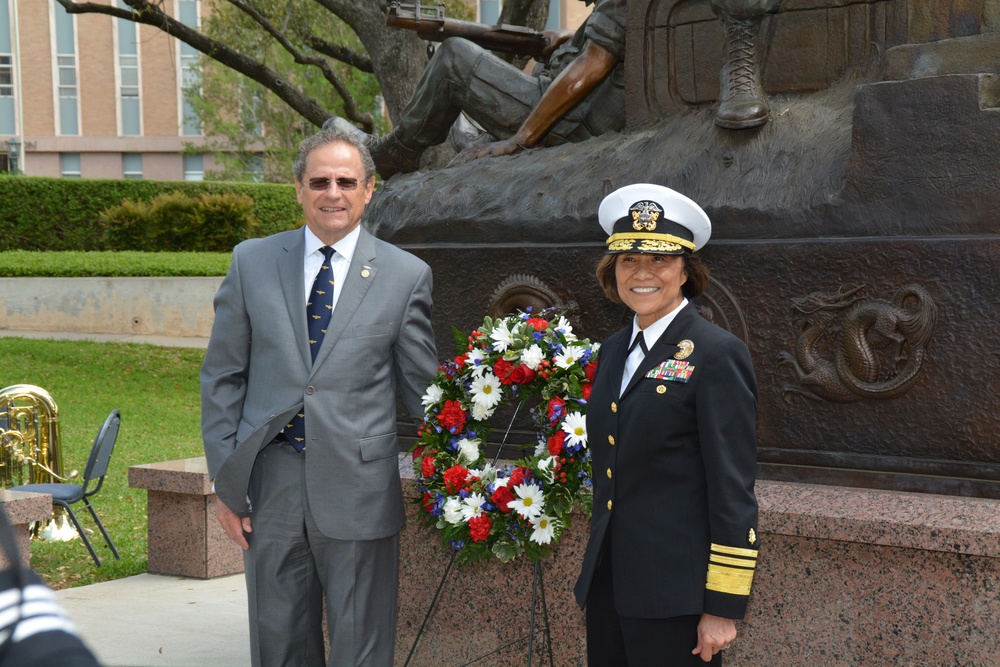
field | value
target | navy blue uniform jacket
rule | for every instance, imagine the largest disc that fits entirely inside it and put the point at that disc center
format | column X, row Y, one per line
column 674, row 460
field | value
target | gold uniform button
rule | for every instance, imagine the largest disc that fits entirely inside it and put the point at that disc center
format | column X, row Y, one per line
column 614, row 407
column 609, row 473
column 611, row 440
column 609, row 504
column 660, row 389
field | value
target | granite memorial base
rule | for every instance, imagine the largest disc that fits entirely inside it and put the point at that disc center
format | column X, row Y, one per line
column 846, row 576
column 24, row 508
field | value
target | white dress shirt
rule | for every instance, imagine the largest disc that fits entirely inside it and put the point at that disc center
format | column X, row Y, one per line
column 651, row 334
column 341, row 261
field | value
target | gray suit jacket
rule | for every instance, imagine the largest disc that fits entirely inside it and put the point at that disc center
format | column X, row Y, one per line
column 258, row 372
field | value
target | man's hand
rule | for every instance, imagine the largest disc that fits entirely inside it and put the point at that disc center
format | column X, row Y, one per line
column 714, row 634
column 493, row 149
column 235, row 526
column 554, row 39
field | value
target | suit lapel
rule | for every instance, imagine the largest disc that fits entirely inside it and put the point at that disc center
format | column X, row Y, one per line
column 290, row 273
column 361, row 275
column 665, row 346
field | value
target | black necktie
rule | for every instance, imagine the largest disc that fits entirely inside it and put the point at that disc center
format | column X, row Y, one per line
column 640, row 341
column 319, row 308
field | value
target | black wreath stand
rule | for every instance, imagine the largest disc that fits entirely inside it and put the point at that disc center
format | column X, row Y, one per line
column 537, row 595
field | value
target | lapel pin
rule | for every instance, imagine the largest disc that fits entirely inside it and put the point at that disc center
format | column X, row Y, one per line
column 365, row 272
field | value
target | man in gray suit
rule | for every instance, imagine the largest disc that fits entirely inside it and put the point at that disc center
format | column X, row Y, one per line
column 299, row 418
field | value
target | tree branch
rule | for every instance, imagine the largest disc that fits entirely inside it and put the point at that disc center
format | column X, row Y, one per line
column 146, row 12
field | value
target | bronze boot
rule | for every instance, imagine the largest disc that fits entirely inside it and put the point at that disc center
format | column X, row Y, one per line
column 741, row 97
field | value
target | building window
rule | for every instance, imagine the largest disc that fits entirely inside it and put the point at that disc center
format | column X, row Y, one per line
column 7, row 104
column 128, row 77
column 6, row 76
column 489, row 11
column 190, row 72
column 69, row 165
column 132, row 165
column 194, row 168
column 553, row 22
column 66, row 72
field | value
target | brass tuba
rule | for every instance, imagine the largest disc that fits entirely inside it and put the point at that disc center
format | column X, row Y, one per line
column 30, row 452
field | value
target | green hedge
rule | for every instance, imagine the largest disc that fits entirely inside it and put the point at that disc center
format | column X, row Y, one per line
column 64, row 214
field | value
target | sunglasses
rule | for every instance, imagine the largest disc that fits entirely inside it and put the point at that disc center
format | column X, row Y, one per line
column 343, row 184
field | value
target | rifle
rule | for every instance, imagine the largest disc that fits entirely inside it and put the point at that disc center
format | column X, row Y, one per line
column 429, row 23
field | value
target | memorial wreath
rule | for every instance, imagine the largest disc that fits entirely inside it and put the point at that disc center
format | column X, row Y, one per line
column 480, row 507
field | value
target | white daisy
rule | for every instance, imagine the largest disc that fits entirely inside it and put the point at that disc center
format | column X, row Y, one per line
column 475, row 362
column 486, row 390
column 569, row 356
column 563, row 325
column 432, row 396
column 468, row 451
column 473, row 506
column 529, row 503
column 452, row 511
column 544, row 529
column 575, row 426
column 532, row 357
column 501, row 337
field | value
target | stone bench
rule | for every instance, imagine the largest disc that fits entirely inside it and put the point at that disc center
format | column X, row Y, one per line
column 23, row 508
column 184, row 536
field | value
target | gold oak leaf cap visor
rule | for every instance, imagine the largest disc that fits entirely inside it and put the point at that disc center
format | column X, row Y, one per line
column 648, row 218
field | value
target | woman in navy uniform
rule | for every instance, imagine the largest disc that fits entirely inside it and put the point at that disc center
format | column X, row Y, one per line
column 671, row 423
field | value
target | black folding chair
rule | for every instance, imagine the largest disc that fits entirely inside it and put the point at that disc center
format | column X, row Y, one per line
column 66, row 495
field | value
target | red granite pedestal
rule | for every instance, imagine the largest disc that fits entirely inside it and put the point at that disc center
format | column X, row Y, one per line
column 24, row 508
column 184, row 536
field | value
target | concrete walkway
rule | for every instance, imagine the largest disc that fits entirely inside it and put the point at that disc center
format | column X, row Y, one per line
column 165, row 341
column 151, row 620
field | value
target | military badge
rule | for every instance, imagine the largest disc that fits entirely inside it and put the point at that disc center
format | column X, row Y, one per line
column 687, row 347
column 645, row 214
column 673, row 370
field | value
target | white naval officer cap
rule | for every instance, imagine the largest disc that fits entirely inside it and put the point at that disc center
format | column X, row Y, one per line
column 648, row 218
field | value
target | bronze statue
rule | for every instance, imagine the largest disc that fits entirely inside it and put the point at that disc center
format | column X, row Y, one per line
column 577, row 91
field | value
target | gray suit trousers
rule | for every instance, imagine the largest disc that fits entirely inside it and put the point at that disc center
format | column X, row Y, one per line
column 291, row 564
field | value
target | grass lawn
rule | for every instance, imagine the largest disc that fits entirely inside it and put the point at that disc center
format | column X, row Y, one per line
column 156, row 390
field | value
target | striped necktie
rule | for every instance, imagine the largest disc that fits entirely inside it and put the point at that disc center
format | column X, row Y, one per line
column 319, row 308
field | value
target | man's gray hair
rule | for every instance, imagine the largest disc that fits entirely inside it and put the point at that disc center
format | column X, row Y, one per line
column 327, row 137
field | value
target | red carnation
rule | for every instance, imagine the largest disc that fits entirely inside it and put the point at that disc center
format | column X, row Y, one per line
column 522, row 375
column 502, row 369
column 417, row 451
column 557, row 443
column 538, row 323
column 517, row 477
column 479, row 527
column 452, row 416
column 556, row 408
column 460, row 360
column 427, row 467
column 585, row 390
column 454, row 478
column 428, row 501
column 590, row 370
column 501, row 497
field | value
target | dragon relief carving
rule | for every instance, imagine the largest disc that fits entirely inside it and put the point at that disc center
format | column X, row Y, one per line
column 853, row 348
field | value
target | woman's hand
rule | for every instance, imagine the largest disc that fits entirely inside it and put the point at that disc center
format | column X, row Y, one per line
column 714, row 634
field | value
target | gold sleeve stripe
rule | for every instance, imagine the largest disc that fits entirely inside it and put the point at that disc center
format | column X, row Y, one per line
column 734, row 551
column 736, row 562
column 728, row 580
